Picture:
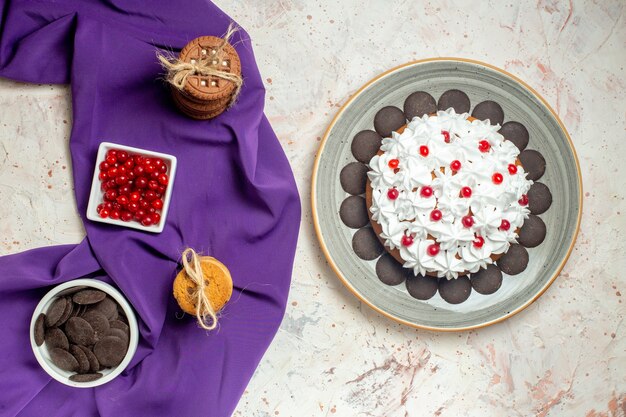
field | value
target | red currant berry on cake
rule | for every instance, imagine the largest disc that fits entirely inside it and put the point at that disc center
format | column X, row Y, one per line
column 407, row 240
column 466, row 192
column 163, row 179
column 436, row 215
column 478, row 242
column 505, row 225
column 523, row 201
column 393, row 163
column 392, row 193
column 455, row 165
column 426, row 191
column 424, row 150
column 512, row 169
column 433, row 249
column 497, row 178
column 122, row 200
column 126, row 216
column 104, row 213
column 484, row 146
column 446, row 136
column 467, row 221
column 157, row 204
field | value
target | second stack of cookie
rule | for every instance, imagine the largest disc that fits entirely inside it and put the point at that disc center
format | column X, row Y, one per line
column 205, row 96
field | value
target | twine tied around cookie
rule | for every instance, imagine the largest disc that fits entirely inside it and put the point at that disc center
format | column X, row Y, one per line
column 205, row 313
column 178, row 71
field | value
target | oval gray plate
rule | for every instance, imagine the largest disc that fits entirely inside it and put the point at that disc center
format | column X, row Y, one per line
column 547, row 135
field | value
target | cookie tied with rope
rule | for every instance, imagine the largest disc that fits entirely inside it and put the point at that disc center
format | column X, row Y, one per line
column 205, row 78
column 202, row 287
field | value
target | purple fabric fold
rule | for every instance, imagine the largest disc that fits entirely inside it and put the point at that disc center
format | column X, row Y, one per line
column 234, row 197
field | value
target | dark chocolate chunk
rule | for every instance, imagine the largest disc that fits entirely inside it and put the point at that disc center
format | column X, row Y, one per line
column 71, row 291
column 85, row 377
column 539, row 198
column 94, row 365
column 39, row 332
column 55, row 311
column 353, row 212
column 421, row 287
column 390, row 271
column 487, row 281
column 533, row 232
column 69, row 307
column 388, row 119
column 365, row 145
column 418, row 104
column 108, row 307
column 80, row 332
column 489, row 110
column 88, row 297
column 456, row 99
column 366, row 245
column 455, row 291
column 63, row 359
column 534, row 164
column 118, row 324
column 55, row 338
column 516, row 133
column 353, row 178
column 110, row 351
column 119, row 333
column 98, row 322
column 81, row 358
column 514, row 261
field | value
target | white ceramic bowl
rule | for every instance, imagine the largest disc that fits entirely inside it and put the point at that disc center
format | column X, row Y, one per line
column 41, row 352
column 96, row 196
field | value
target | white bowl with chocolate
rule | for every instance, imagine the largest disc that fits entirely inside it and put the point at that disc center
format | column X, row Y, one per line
column 84, row 333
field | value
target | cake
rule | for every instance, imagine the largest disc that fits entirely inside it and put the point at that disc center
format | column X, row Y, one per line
column 447, row 194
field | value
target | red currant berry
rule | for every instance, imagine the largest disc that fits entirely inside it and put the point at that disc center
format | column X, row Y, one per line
column 392, row 193
column 407, row 240
column 149, row 168
column 446, row 136
column 424, row 150
column 108, row 205
column 122, row 200
column 134, row 196
column 141, row 182
column 104, row 213
column 484, row 146
column 112, row 172
column 433, row 249
column 111, row 159
column 393, row 163
column 110, row 195
column 150, row 195
column 104, row 166
column 115, row 214
column 112, row 152
column 138, row 159
column 523, row 201
column 138, row 170
column 122, row 156
column 99, row 208
column 426, row 191
column 124, row 190
column 146, row 161
column 144, row 204
column 139, row 214
column 436, row 215
column 497, row 178
column 116, row 206
column 151, row 211
column 129, row 163
column 147, row 220
column 156, row 218
column 121, row 170
column 131, row 175
column 512, row 169
column 468, row 221
column 157, row 204
column 455, row 165
column 153, row 184
column 133, row 206
column 505, row 225
column 162, row 189
column 466, row 192
column 163, row 179
column 157, row 162
column 478, row 242
column 103, row 176
column 121, row 180
column 126, row 216
column 163, row 169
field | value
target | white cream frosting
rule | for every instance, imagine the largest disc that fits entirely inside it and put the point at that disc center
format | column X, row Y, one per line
column 409, row 213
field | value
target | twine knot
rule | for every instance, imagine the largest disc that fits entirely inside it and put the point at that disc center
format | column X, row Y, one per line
column 205, row 313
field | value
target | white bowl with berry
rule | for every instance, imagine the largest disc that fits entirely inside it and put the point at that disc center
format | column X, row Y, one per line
column 131, row 187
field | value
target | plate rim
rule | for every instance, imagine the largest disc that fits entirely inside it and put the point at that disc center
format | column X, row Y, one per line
column 322, row 242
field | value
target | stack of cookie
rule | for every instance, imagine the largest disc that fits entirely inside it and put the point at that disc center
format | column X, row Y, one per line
column 206, row 96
